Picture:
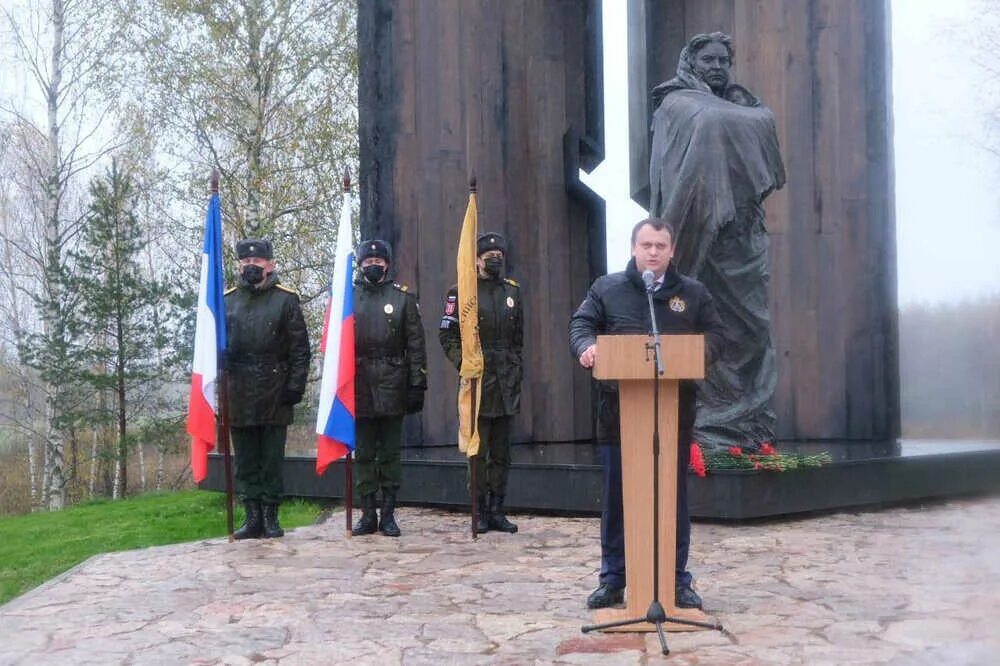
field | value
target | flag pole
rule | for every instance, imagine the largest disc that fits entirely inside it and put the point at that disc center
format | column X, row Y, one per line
column 473, row 480
column 349, row 493
column 223, row 393
column 348, row 464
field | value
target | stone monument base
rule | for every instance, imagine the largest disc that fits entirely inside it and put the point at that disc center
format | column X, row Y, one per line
column 565, row 478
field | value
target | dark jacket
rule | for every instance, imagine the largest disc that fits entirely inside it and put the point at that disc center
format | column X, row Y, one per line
column 616, row 304
column 268, row 353
column 391, row 358
column 501, row 333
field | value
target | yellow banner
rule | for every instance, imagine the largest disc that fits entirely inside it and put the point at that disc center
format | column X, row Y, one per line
column 471, row 373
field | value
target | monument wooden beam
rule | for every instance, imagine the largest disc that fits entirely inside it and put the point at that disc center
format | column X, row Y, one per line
column 452, row 87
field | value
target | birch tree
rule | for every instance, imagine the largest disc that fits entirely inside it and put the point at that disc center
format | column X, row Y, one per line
column 63, row 50
column 19, row 406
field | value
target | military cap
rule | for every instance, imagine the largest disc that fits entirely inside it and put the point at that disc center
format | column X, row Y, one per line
column 374, row 248
column 254, row 247
column 490, row 241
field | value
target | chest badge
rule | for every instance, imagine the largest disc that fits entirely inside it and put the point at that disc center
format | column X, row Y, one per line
column 677, row 304
column 388, row 308
column 510, row 301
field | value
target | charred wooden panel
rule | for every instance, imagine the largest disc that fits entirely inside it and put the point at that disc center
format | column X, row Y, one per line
column 491, row 87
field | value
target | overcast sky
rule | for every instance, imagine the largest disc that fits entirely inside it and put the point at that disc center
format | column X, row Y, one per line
column 947, row 194
column 947, row 186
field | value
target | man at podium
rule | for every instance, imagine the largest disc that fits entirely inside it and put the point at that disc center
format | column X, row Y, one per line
column 616, row 304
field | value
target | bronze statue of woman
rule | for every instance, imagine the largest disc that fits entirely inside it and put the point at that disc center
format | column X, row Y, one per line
column 714, row 160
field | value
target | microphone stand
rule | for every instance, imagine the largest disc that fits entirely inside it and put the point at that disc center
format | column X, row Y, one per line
column 655, row 614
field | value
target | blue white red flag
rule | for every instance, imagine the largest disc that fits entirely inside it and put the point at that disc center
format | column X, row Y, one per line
column 335, row 418
column 209, row 344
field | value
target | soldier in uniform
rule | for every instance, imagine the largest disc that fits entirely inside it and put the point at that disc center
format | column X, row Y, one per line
column 267, row 363
column 390, row 380
column 501, row 333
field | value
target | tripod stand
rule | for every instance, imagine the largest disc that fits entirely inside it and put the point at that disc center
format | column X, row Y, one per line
column 655, row 614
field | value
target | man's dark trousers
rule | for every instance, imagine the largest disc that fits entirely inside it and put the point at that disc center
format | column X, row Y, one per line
column 260, row 457
column 613, row 515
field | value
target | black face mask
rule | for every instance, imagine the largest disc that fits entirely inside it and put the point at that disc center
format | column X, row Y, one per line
column 252, row 274
column 373, row 273
column 493, row 266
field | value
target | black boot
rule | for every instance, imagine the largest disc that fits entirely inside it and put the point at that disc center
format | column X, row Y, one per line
column 483, row 515
column 497, row 520
column 252, row 527
column 368, row 522
column 272, row 529
column 387, row 521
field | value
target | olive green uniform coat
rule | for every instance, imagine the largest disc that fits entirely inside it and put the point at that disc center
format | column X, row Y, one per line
column 501, row 333
column 390, row 374
column 267, row 362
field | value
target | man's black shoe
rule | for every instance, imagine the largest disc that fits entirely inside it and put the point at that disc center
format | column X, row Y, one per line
column 606, row 596
column 685, row 597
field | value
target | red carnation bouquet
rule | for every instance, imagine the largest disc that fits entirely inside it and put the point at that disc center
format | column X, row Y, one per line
column 764, row 458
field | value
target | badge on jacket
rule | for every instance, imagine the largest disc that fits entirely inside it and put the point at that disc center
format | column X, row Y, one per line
column 451, row 305
column 677, row 304
column 388, row 308
column 510, row 302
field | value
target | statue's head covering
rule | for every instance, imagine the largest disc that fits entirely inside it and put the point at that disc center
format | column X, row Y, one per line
column 688, row 79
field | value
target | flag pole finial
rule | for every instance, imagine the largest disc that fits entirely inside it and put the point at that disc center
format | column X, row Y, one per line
column 346, row 181
column 213, row 182
column 472, row 184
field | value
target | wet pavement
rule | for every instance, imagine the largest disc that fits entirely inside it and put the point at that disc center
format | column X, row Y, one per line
column 910, row 585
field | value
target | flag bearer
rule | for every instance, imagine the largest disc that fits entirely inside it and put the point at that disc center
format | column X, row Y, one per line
column 267, row 363
column 389, row 382
column 501, row 333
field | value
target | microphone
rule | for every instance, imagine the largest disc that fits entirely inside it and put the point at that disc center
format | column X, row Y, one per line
column 649, row 279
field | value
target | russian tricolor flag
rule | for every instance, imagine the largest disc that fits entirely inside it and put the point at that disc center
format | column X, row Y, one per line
column 209, row 344
column 335, row 420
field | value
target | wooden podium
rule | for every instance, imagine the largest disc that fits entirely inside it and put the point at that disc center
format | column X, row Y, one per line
column 627, row 359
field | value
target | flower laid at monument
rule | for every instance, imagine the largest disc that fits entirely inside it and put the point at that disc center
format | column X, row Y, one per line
column 765, row 459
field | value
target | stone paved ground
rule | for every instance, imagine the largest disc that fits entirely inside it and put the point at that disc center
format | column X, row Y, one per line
column 916, row 585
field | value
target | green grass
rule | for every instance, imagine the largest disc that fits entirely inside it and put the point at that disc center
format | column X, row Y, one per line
column 35, row 547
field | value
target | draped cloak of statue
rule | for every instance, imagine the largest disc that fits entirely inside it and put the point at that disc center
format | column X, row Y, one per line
column 712, row 164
